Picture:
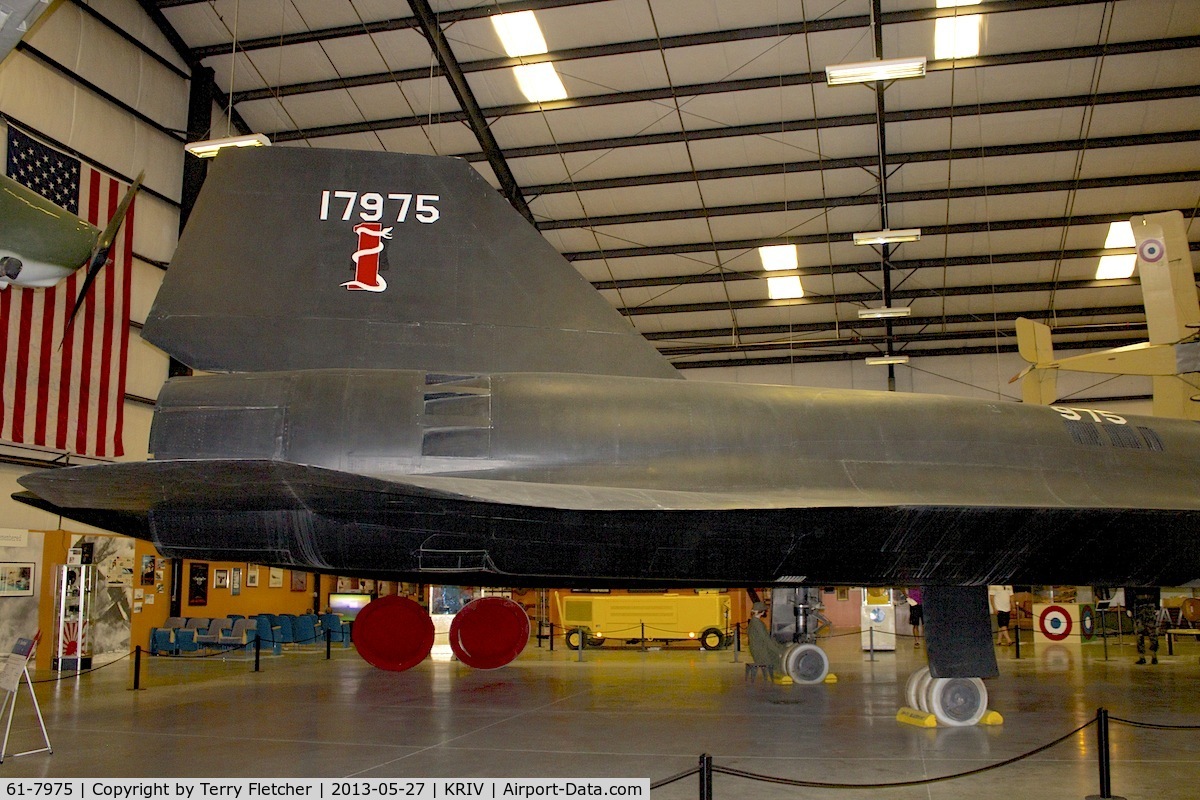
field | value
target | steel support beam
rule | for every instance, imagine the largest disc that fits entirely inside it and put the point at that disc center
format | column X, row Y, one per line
column 995, row 226
column 725, row 335
column 470, row 106
column 781, row 30
column 750, row 84
column 863, row 298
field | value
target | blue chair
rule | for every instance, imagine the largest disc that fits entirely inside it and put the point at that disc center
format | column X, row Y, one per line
column 185, row 640
column 268, row 632
column 338, row 631
column 287, row 630
column 162, row 640
column 306, row 630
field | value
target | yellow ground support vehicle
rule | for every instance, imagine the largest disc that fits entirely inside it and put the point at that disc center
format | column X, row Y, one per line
column 634, row 618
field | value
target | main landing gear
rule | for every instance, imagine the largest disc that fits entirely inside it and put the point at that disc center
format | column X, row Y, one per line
column 954, row 702
column 395, row 633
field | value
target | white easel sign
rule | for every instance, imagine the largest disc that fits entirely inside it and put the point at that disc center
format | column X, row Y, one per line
column 10, row 683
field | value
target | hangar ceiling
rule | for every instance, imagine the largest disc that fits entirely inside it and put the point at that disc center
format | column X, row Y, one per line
column 694, row 132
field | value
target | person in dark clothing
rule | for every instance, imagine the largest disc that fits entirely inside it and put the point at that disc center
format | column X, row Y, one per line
column 1143, row 604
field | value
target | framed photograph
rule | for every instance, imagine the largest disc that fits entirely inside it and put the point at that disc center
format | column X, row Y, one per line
column 251, row 576
column 235, row 586
column 16, row 579
column 220, row 579
column 299, row 580
column 147, row 571
column 275, row 579
column 198, row 584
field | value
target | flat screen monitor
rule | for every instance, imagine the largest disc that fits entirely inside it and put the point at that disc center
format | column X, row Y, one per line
column 347, row 606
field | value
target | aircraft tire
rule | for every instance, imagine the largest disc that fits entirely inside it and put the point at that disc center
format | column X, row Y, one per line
column 957, row 702
column 712, row 639
column 806, row 663
column 914, row 691
column 489, row 632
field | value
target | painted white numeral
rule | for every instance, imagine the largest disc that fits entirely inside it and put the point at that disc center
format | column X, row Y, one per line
column 372, row 205
column 350, row 198
column 1095, row 414
column 426, row 211
column 405, row 202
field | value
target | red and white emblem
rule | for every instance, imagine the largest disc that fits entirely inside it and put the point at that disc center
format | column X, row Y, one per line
column 366, row 258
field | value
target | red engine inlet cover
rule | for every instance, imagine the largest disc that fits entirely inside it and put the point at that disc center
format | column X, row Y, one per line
column 393, row 633
column 489, row 632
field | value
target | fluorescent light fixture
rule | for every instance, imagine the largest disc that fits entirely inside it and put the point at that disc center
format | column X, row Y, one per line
column 1116, row 267
column 539, row 82
column 885, row 312
column 1120, row 234
column 784, row 288
column 879, row 361
column 887, row 236
column 955, row 3
column 210, row 147
column 956, row 37
column 519, row 33
column 867, row 71
column 781, row 256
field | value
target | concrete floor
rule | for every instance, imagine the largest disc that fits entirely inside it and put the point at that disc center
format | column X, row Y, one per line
column 622, row 713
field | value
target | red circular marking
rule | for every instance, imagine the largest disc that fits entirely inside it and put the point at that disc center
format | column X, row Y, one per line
column 1062, row 616
column 489, row 632
column 393, row 633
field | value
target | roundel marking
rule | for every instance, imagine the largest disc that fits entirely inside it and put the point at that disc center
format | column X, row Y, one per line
column 1055, row 623
column 1087, row 622
column 1151, row 250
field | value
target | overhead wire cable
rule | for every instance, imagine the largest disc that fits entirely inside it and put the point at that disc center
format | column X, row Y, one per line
column 1085, row 124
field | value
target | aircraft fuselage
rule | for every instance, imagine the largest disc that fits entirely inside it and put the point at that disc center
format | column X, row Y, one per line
column 612, row 479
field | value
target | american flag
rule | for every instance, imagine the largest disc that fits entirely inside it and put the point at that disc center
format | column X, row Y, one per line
column 67, row 394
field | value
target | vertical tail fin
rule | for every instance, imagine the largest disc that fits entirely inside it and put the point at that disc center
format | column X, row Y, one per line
column 1039, row 382
column 298, row 259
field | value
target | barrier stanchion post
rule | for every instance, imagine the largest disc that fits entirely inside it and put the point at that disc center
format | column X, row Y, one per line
column 328, row 644
column 581, row 643
column 1102, row 751
column 137, row 669
column 643, row 637
column 737, row 641
column 1017, row 640
column 1104, row 630
column 551, row 637
column 871, row 641
column 706, row 777
column 257, row 652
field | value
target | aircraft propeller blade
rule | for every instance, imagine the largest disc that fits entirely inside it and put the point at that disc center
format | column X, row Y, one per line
column 103, row 245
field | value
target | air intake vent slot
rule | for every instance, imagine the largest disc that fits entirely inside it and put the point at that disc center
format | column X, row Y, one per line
column 456, row 416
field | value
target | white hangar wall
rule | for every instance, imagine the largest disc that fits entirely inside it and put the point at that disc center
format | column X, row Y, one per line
column 120, row 105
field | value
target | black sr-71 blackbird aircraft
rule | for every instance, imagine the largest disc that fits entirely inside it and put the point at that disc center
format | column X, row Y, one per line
column 413, row 384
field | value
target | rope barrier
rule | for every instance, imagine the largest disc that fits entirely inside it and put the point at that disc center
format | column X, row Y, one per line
column 1154, row 725
column 82, row 672
column 1101, row 721
column 902, row 784
column 687, row 773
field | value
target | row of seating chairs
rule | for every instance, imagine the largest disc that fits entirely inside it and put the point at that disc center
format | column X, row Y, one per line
column 186, row 635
